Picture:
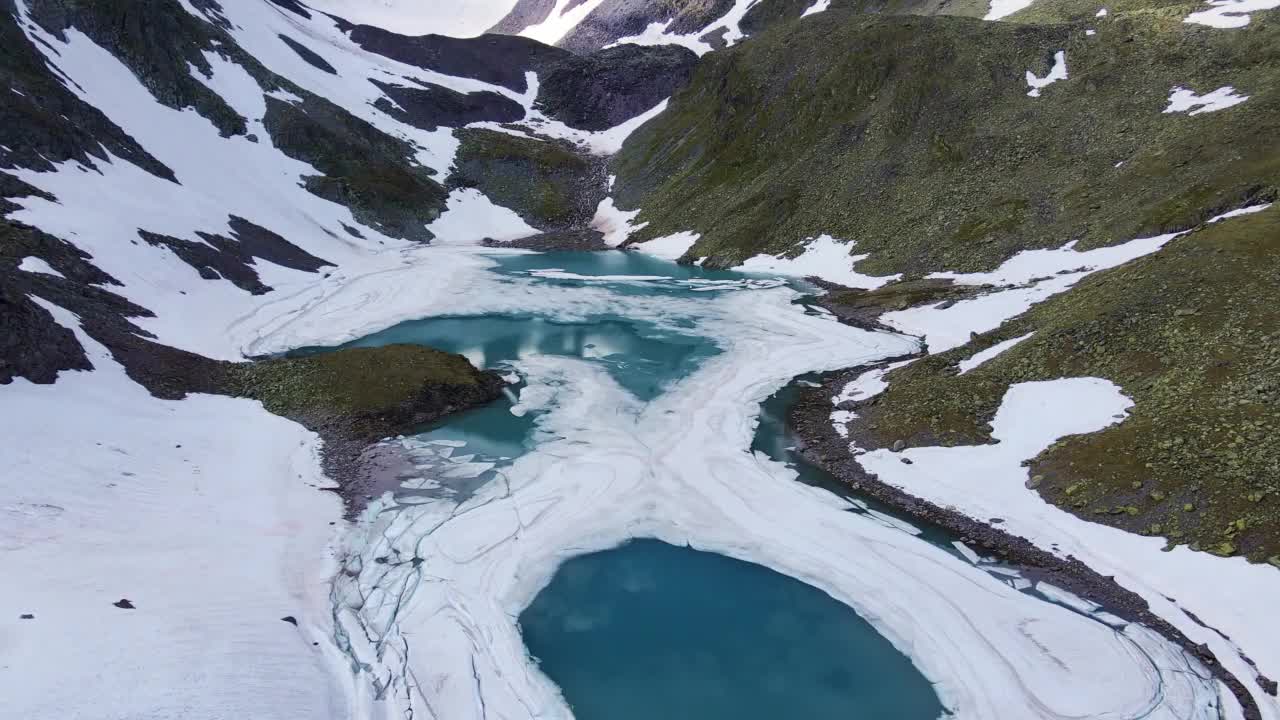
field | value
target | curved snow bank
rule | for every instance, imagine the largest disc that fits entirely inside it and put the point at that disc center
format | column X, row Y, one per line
column 428, row 602
column 206, row 514
column 1030, row 277
column 988, row 481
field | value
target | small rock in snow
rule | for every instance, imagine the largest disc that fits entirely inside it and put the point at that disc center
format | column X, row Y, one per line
column 26, row 616
column 123, row 604
column 899, row 445
column 291, row 620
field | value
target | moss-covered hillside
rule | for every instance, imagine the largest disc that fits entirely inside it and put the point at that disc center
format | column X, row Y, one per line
column 1192, row 335
column 915, row 137
column 551, row 185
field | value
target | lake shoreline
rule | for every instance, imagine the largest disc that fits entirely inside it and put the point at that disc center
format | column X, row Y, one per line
column 818, row 443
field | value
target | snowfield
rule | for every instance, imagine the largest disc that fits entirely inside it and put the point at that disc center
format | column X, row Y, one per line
column 184, row 558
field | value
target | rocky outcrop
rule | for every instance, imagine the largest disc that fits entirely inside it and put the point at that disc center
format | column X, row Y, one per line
column 550, row 184
column 609, row 87
column 432, row 106
column 615, row 19
column 495, row 59
column 363, row 168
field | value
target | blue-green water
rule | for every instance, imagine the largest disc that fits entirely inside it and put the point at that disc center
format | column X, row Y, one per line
column 641, row 358
column 649, row 630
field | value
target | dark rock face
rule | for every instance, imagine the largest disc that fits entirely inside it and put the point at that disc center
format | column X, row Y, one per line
column 579, row 240
column 549, row 184
column 220, row 257
column 312, row 57
column 47, row 123
column 432, row 106
column 32, row 344
column 524, row 14
column 611, row 86
column 365, row 169
column 611, row 20
column 496, row 59
column 614, row 19
column 156, row 39
column 293, row 6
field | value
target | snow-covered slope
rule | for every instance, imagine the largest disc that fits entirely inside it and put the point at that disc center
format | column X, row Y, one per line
column 178, row 180
column 185, row 184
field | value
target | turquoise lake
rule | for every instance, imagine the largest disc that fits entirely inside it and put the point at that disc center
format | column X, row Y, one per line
column 648, row 630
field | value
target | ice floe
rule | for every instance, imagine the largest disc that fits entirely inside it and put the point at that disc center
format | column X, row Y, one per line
column 1027, row 278
column 817, row 7
column 1183, row 100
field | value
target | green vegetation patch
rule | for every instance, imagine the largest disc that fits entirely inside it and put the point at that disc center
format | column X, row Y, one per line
column 353, row 381
column 1192, row 335
column 548, row 183
column 915, row 137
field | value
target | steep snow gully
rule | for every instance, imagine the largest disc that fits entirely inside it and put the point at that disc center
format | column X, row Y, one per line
column 184, row 558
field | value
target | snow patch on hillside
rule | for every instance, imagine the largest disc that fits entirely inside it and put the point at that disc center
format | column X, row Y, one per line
column 823, row 257
column 537, row 124
column 471, row 217
column 1056, row 73
column 614, row 222
column 657, row 34
column 986, row 481
column 1182, row 100
column 1230, row 13
column 207, row 514
column 1004, row 8
column 983, row 356
column 1028, row 278
column 564, row 17
column 668, row 247
column 33, row 264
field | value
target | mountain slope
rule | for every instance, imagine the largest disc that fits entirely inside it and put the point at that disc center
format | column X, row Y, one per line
column 923, row 147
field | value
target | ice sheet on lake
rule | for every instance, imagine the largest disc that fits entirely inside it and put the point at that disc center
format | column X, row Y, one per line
column 609, row 467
